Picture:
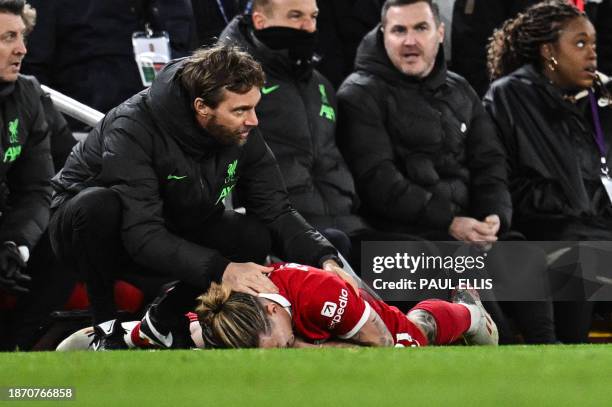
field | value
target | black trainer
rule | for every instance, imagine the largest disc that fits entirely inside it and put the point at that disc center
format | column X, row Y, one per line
column 109, row 335
column 166, row 334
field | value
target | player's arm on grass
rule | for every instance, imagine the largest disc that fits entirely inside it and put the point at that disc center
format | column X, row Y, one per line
column 373, row 333
column 301, row 343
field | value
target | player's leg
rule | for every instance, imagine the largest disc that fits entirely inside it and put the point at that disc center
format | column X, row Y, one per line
column 444, row 322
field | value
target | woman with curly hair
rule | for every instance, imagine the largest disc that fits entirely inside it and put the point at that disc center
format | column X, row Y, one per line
column 554, row 115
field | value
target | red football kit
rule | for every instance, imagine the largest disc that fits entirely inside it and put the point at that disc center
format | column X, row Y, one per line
column 323, row 306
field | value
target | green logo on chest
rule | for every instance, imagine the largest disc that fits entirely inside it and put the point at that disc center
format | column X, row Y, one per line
column 13, row 128
column 326, row 110
column 230, row 181
column 12, row 153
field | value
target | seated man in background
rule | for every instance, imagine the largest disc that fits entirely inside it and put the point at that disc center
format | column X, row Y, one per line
column 27, row 272
column 422, row 148
column 144, row 193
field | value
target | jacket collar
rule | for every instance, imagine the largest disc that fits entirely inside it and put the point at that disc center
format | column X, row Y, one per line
column 556, row 97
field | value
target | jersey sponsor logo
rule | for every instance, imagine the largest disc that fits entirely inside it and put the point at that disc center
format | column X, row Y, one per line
column 329, row 309
column 342, row 303
column 269, row 89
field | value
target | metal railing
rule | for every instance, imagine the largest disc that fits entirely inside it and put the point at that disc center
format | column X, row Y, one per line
column 74, row 108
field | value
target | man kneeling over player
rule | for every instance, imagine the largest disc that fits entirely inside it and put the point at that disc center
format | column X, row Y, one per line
column 318, row 308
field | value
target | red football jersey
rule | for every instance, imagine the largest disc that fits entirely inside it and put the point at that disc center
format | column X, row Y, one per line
column 324, row 306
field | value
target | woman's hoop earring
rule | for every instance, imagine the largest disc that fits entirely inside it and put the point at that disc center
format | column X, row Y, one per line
column 552, row 63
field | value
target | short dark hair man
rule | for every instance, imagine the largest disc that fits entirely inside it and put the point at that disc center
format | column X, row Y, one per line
column 424, row 152
column 147, row 186
column 416, row 136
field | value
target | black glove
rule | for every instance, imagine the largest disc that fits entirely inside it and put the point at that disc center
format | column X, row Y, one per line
column 11, row 264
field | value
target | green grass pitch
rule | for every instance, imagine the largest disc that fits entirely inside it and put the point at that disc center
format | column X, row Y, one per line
column 453, row 376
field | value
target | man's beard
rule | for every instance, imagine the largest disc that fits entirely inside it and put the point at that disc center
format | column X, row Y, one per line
column 224, row 134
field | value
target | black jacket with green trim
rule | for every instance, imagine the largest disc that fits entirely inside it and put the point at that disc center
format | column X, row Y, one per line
column 297, row 118
column 171, row 177
column 26, row 167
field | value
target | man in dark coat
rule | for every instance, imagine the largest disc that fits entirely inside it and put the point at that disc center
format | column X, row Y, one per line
column 147, row 186
column 421, row 147
column 298, row 112
column 424, row 152
column 25, row 169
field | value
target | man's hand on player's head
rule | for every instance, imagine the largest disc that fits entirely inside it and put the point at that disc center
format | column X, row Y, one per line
column 249, row 278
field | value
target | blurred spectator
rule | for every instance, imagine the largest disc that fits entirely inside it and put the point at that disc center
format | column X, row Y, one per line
column 446, row 16
column 600, row 12
column 28, row 273
column 473, row 24
column 556, row 155
column 83, row 48
column 212, row 16
column 342, row 24
column 297, row 114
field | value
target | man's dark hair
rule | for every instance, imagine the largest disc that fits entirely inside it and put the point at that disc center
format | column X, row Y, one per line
column 20, row 8
column 12, row 6
column 209, row 71
column 398, row 3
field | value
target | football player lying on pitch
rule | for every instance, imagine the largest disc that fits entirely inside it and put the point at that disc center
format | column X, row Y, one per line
column 315, row 308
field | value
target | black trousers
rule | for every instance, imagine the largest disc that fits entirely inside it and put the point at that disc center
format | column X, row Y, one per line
column 85, row 234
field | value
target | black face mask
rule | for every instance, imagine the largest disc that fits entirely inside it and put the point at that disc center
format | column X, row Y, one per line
column 299, row 43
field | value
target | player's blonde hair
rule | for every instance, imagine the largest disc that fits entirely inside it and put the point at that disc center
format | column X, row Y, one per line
column 230, row 319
